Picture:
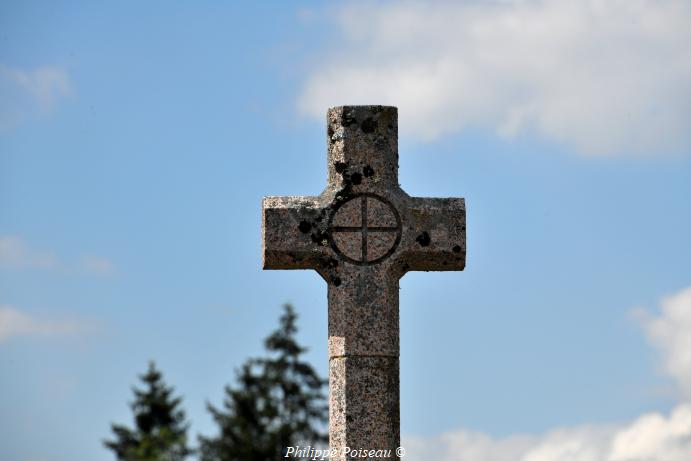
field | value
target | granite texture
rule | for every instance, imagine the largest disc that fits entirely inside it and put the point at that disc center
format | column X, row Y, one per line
column 362, row 234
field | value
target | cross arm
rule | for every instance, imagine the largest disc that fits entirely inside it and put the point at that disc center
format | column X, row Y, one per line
column 292, row 233
column 435, row 239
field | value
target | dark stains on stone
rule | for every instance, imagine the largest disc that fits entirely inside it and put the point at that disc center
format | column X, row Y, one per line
column 423, row 239
column 349, row 180
column 347, row 119
column 369, row 125
column 315, row 223
column 330, row 131
column 330, row 263
column 456, row 249
column 329, row 268
column 319, row 237
column 344, row 193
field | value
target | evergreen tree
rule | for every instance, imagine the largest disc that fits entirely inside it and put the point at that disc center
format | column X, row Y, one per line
column 160, row 432
column 279, row 402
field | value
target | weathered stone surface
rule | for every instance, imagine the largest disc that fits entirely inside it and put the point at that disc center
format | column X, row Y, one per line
column 362, row 234
column 364, row 389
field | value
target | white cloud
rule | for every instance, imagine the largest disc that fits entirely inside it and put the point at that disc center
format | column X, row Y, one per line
column 654, row 437
column 462, row 444
column 670, row 333
column 14, row 323
column 602, row 76
column 651, row 437
column 98, row 265
column 14, row 253
column 24, row 93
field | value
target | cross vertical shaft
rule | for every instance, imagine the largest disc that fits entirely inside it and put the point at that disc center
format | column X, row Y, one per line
column 363, row 309
column 362, row 234
column 364, row 361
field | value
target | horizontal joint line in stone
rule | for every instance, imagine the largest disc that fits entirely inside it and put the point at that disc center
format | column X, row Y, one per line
column 364, row 356
column 359, row 229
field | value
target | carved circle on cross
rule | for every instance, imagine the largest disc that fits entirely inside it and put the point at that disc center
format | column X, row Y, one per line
column 365, row 229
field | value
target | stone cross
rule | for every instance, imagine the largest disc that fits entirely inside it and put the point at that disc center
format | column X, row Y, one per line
column 362, row 234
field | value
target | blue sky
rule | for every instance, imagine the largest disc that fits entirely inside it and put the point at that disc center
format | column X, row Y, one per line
column 137, row 140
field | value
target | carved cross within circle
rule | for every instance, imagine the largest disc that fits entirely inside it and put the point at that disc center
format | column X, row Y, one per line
column 365, row 229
